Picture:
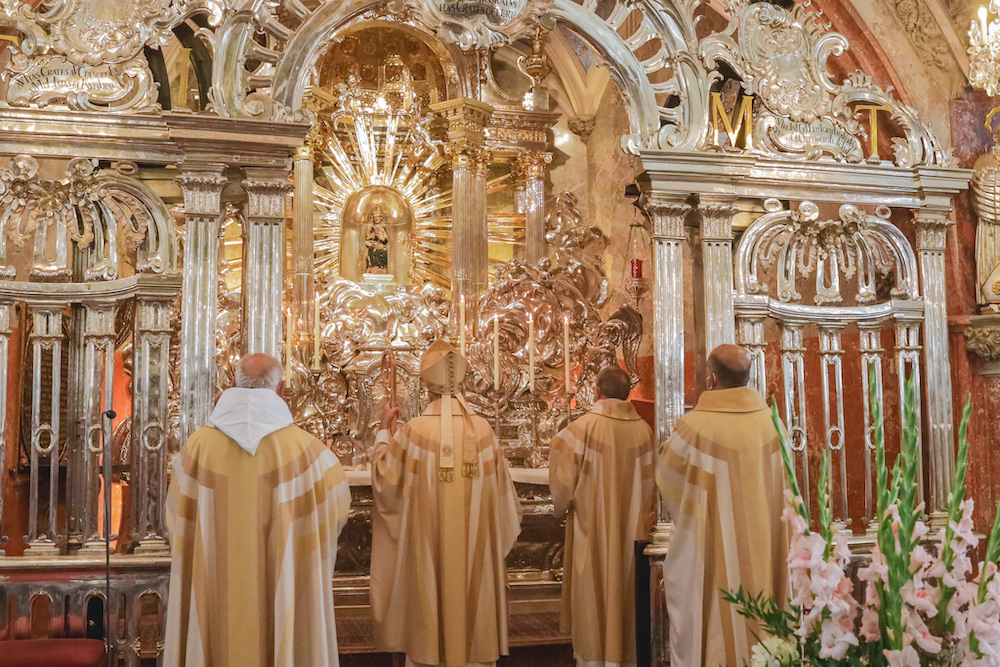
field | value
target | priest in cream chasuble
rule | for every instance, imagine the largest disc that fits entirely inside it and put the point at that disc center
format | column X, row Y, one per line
column 601, row 471
column 446, row 516
column 723, row 482
column 254, row 510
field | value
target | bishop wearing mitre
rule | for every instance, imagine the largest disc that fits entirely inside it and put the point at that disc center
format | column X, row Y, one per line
column 446, row 516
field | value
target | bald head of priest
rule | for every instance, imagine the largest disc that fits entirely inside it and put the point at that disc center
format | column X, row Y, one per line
column 601, row 477
column 254, row 510
column 728, row 367
column 722, row 482
column 261, row 371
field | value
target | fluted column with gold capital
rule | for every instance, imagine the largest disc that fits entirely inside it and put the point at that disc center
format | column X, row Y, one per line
column 202, row 185
column 303, row 238
column 932, row 235
column 264, row 260
column 467, row 121
column 717, row 271
column 668, row 216
column 529, row 168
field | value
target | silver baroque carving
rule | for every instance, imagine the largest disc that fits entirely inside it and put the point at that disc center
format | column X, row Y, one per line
column 780, row 56
column 984, row 339
column 797, row 244
column 94, row 210
column 87, row 54
column 477, row 24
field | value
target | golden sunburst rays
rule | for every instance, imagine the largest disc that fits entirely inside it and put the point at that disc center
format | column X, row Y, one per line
column 394, row 149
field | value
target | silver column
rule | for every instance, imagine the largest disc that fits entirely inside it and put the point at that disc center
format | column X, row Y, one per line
column 668, row 310
column 717, row 267
column 908, row 365
column 469, row 241
column 793, row 372
column 5, row 308
column 932, row 235
column 150, row 414
column 751, row 336
column 202, row 186
column 531, row 168
column 98, row 375
column 46, row 353
column 303, row 289
column 831, row 354
column 871, row 362
column 669, row 237
column 668, row 326
column 264, row 260
column 467, row 121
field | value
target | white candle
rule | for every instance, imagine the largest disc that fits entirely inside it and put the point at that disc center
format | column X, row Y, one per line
column 288, row 350
column 461, row 324
column 316, row 337
column 531, row 353
column 983, row 22
column 496, row 352
column 566, row 352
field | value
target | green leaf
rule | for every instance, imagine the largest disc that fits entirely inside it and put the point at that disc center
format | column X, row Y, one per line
column 823, row 500
column 787, row 459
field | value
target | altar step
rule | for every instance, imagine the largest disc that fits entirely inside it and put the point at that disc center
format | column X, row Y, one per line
column 521, row 656
column 354, row 635
column 535, row 641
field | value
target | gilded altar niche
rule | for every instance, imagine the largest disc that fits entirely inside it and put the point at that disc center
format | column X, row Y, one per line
column 436, row 215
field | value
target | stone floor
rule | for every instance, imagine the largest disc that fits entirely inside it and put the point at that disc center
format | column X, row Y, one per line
column 520, row 656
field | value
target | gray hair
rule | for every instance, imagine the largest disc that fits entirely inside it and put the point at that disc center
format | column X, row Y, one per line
column 259, row 371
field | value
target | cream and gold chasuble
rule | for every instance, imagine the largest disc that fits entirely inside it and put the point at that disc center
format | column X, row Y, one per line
column 254, row 539
column 438, row 577
column 723, row 483
column 601, row 470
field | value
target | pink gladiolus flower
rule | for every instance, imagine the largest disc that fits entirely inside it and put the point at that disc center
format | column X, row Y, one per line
column 834, row 642
column 916, row 628
column 792, row 518
column 906, row 658
column 920, row 597
column 869, row 624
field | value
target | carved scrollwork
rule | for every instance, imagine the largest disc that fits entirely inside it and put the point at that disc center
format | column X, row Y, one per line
column 800, row 111
column 477, row 24
column 87, row 54
column 95, row 210
column 798, row 245
column 983, row 337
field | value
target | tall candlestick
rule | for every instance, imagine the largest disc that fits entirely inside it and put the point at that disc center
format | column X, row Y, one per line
column 461, row 323
column 496, row 352
column 566, row 352
column 316, row 338
column 531, row 353
column 288, row 350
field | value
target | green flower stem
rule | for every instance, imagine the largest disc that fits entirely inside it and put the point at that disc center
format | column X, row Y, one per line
column 786, row 457
column 954, row 515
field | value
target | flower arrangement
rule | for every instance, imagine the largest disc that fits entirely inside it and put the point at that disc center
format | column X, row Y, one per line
column 920, row 606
